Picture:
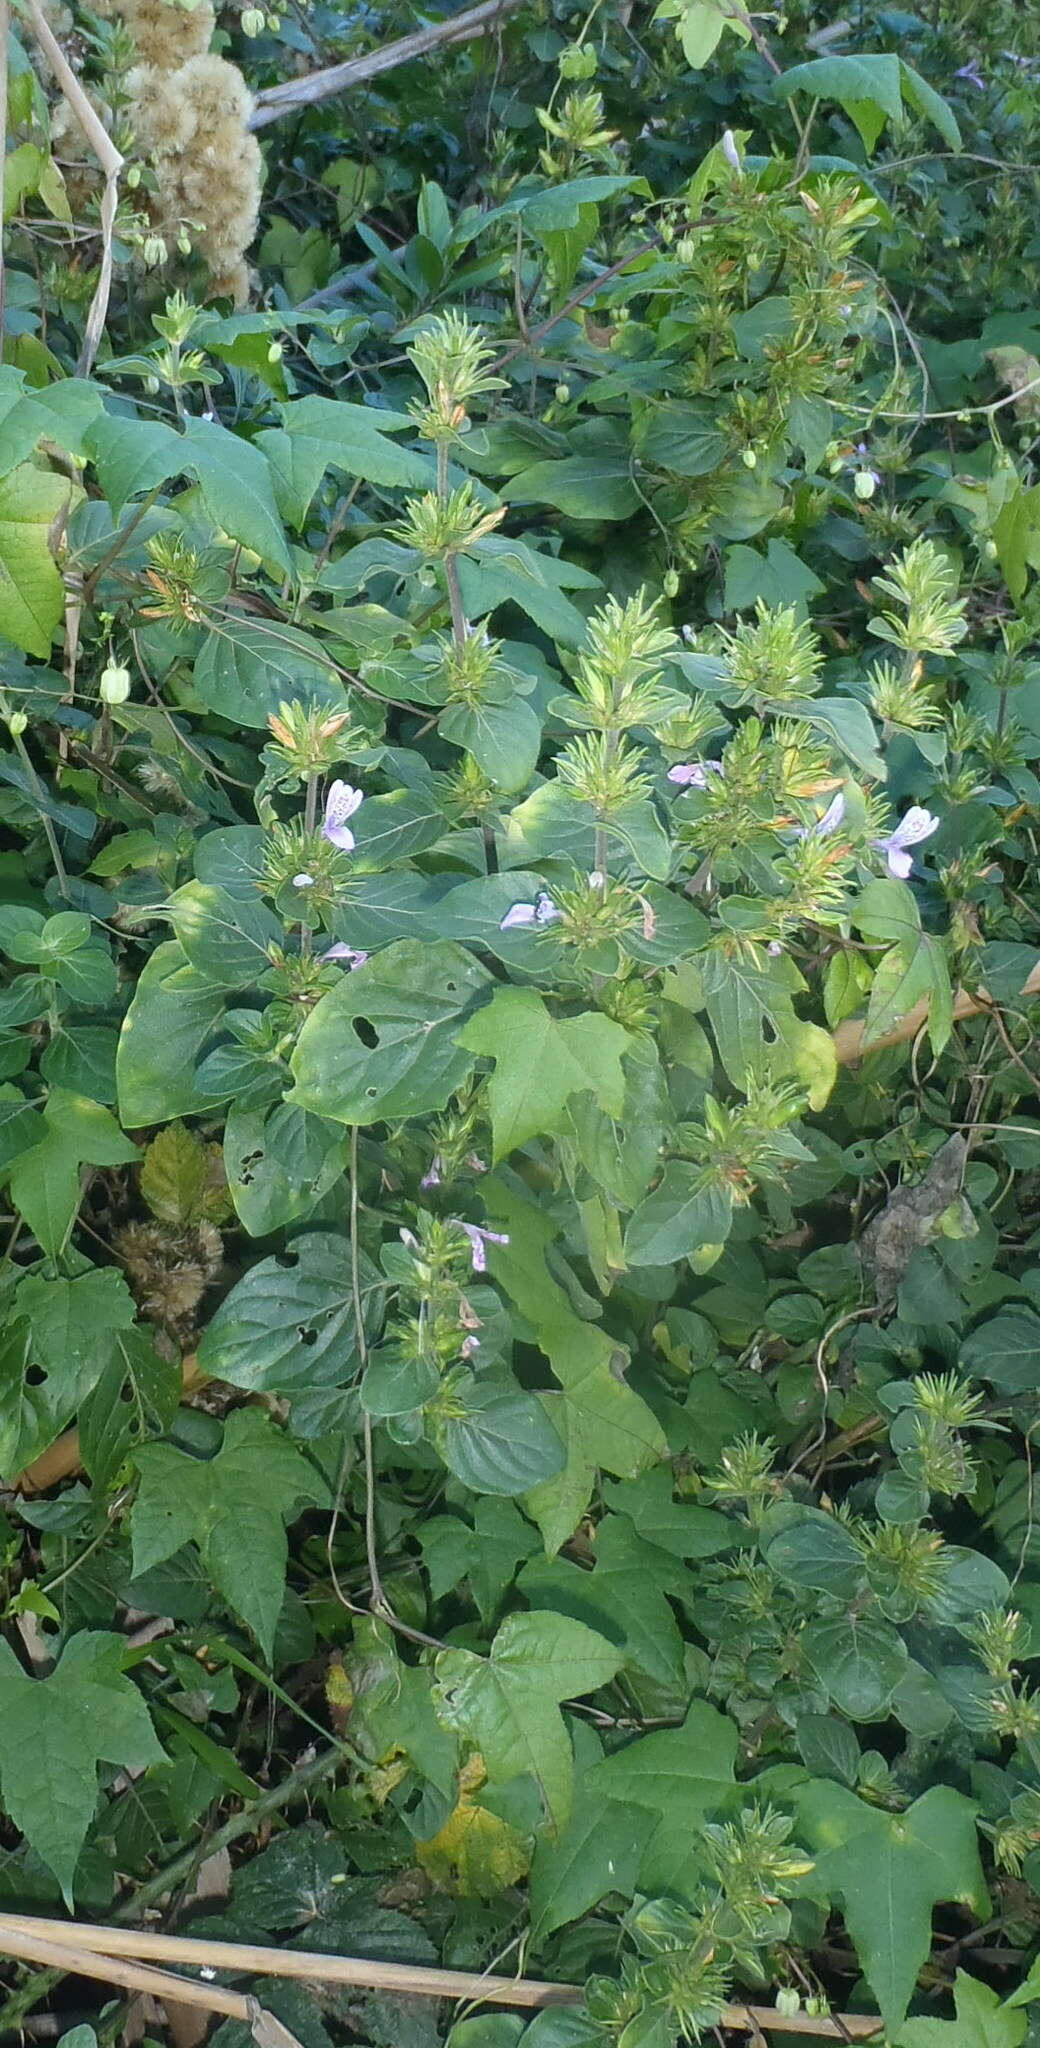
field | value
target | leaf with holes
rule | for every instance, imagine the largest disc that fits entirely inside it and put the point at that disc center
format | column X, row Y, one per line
column 386, row 1042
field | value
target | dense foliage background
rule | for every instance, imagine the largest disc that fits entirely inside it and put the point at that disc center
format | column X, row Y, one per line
column 518, row 1120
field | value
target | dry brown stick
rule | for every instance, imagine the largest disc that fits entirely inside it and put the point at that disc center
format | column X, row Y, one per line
column 111, row 164
column 405, row 1978
column 848, row 1038
column 277, row 100
column 78, row 1958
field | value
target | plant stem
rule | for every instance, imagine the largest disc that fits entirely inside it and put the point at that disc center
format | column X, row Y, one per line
column 39, row 793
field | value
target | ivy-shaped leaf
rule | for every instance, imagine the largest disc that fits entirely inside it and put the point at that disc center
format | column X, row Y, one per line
column 508, row 1703
column 541, row 1061
column 888, row 1870
column 55, row 1731
column 234, row 1507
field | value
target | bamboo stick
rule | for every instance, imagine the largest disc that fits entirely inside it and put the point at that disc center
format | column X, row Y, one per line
column 407, row 1979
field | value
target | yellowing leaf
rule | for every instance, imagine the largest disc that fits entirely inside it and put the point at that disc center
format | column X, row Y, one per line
column 475, row 1853
column 31, row 591
column 182, row 1179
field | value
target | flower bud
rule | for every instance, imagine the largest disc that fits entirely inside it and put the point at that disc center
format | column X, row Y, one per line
column 253, row 19
column 153, row 251
column 275, row 352
column 864, row 484
column 16, row 723
column 114, row 687
column 151, row 385
column 562, row 393
column 749, row 458
column 133, row 176
column 671, row 582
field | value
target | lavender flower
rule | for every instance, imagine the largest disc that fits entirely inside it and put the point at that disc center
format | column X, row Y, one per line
column 478, row 1240
column 542, row 911
column 729, row 149
column 340, row 804
column 469, row 1346
column 831, row 819
column 432, row 1177
column 972, row 76
column 303, row 881
column 915, row 825
column 694, row 774
column 349, row 955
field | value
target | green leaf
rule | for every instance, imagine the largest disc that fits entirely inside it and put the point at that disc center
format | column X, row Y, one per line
column 32, row 596
column 1006, row 1350
column 133, row 455
column 598, row 1852
column 779, row 578
column 678, row 1526
column 504, row 739
column 584, row 486
column 869, row 89
column 540, row 1062
column 983, row 2020
column 288, row 1324
column 625, row 1598
column 507, row 1703
column 504, row 1443
column 888, row 1871
column 236, row 487
column 172, row 1014
column 136, row 1393
column 858, row 1659
column 682, row 1777
column 45, row 1180
column 685, row 1212
column 233, row 1506
column 385, row 1041
column 247, row 668
column 486, row 1554
column 815, row 1550
column 929, row 104
column 602, row 1422
column 356, row 439
column 280, row 1163
column 55, row 1731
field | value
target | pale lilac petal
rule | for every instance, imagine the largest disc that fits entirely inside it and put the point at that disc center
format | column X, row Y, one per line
column 729, row 149
column 915, row 825
column 340, row 804
column 478, row 1240
column 303, row 881
column 829, row 822
column 899, row 863
column 349, row 955
column 432, row 1177
column 545, row 911
column 518, row 914
column 469, row 1346
column 694, row 774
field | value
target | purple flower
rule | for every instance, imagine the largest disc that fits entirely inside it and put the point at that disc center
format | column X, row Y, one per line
column 694, row 774
column 349, row 955
column 340, row 804
column 970, row 73
column 915, row 825
column 478, row 1240
column 729, row 149
column 303, row 881
column 432, row 1177
column 774, row 949
column 542, row 911
column 469, row 1346
column 829, row 822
